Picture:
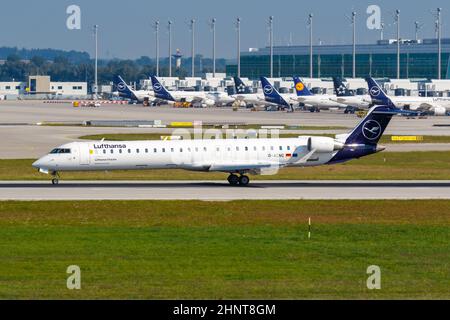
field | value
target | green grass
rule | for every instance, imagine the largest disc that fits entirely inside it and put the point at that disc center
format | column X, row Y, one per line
column 225, row 250
column 381, row 166
column 157, row 136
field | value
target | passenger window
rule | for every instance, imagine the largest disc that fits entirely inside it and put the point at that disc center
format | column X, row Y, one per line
column 181, row 149
column 189, row 149
column 104, row 151
column 237, row 148
column 254, row 148
column 196, row 149
column 171, row 150
column 129, row 150
column 263, row 148
column 146, row 150
column 205, row 149
column 137, row 150
column 163, row 149
column 289, row 147
column 217, row 149
column 281, row 148
column 112, row 151
column 155, row 150
column 120, row 151
column 271, row 148
column 246, row 148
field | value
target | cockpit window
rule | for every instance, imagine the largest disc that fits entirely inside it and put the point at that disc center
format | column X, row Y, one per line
column 60, row 150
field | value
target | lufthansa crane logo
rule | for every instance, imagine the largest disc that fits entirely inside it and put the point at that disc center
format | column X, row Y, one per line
column 375, row 91
column 299, row 86
column 157, row 87
column 371, row 130
column 268, row 89
column 121, row 86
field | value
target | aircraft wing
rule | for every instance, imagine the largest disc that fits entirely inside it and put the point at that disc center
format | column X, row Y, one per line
column 237, row 167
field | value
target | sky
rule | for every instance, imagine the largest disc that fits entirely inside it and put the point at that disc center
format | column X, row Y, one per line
column 126, row 27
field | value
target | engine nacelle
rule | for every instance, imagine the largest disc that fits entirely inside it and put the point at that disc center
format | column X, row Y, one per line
column 439, row 111
column 209, row 102
column 324, row 144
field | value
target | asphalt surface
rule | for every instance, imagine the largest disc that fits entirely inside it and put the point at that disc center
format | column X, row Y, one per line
column 221, row 191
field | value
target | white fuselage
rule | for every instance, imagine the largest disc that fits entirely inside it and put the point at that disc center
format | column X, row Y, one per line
column 320, row 101
column 360, row 101
column 224, row 155
column 420, row 103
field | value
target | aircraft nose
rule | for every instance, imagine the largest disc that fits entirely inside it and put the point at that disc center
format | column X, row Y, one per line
column 37, row 164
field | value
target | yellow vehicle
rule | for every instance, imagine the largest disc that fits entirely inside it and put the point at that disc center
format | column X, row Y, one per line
column 361, row 114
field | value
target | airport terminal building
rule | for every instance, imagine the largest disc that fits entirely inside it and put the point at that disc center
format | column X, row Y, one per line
column 418, row 60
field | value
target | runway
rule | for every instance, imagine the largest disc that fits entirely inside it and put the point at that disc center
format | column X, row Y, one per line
column 221, row 191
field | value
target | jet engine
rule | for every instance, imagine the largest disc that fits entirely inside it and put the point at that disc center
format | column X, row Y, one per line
column 439, row 111
column 324, row 144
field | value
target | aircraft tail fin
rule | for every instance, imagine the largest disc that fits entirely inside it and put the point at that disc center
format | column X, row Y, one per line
column 271, row 94
column 339, row 87
column 123, row 89
column 301, row 88
column 377, row 94
column 371, row 128
column 160, row 91
column 240, row 86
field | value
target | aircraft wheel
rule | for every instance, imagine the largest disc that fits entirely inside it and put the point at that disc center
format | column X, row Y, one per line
column 233, row 179
column 55, row 181
column 244, row 181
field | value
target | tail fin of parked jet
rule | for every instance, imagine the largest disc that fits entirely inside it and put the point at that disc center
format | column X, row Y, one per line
column 160, row 91
column 271, row 94
column 340, row 88
column 123, row 89
column 377, row 94
column 240, row 86
column 301, row 88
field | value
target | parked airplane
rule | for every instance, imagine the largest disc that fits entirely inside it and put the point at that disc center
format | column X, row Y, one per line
column 242, row 94
column 439, row 106
column 125, row 91
column 238, row 157
column 346, row 97
column 272, row 96
column 202, row 97
column 315, row 102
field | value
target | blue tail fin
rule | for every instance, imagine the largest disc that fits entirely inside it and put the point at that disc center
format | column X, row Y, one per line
column 123, row 89
column 340, row 89
column 271, row 94
column 160, row 91
column 377, row 94
column 301, row 88
column 371, row 128
column 240, row 86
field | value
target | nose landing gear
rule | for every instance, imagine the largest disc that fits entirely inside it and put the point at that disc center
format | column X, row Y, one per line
column 55, row 180
column 234, row 180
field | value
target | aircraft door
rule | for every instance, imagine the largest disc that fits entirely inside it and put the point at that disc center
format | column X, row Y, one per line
column 84, row 154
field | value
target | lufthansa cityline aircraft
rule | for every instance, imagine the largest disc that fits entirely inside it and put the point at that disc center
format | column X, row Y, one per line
column 237, row 157
column 125, row 91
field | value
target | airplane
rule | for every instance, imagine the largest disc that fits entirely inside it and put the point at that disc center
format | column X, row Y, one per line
column 315, row 102
column 438, row 106
column 125, row 91
column 238, row 157
column 208, row 99
column 345, row 96
column 242, row 94
column 273, row 97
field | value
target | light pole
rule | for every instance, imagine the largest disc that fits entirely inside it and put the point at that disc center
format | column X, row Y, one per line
column 381, row 31
column 310, row 24
column 213, row 28
column 193, row 48
column 96, row 62
column 397, row 20
column 169, row 26
column 271, row 44
column 157, row 47
column 439, row 40
column 354, row 44
column 238, row 31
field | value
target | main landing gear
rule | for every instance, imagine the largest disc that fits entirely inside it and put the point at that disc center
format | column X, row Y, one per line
column 242, row 180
